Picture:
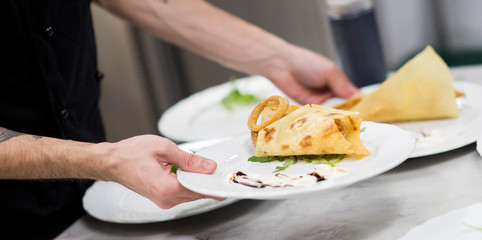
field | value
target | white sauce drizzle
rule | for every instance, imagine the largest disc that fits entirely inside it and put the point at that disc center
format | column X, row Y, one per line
column 429, row 136
column 320, row 173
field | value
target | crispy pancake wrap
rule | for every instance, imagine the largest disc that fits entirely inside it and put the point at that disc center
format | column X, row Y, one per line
column 421, row 89
column 287, row 130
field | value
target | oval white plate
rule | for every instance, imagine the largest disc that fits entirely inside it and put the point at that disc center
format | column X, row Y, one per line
column 201, row 115
column 112, row 202
column 450, row 226
column 453, row 133
column 388, row 144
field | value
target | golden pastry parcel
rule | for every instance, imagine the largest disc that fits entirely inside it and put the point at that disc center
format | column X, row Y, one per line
column 288, row 130
column 421, row 89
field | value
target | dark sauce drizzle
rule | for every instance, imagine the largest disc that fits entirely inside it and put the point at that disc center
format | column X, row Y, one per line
column 260, row 184
column 318, row 177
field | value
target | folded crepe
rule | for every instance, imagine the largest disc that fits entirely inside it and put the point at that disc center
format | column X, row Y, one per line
column 310, row 130
column 421, row 89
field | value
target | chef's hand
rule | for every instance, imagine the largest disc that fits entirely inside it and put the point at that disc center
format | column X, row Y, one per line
column 143, row 164
column 308, row 77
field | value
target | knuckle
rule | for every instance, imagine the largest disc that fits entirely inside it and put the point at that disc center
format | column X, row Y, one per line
column 190, row 161
column 164, row 145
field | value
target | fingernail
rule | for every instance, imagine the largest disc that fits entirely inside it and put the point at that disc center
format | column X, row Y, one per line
column 209, row 165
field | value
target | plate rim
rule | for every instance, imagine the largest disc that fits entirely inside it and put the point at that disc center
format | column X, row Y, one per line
column 173, row 213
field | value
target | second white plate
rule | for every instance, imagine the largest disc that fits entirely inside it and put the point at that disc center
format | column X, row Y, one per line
column 457, row 224
column 446, row 134
column 201, row 115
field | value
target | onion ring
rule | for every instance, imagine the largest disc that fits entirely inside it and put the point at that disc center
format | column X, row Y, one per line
column 253, row 117
column 254, row 138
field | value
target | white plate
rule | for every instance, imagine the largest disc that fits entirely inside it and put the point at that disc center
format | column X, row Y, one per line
column 479, row 146
column 450, row 226
column 201, row 116
column 388, row 144
column 451, row 133
column 112, row 202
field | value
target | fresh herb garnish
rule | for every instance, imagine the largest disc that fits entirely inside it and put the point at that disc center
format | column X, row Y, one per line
column 473, row 227
column 174, row 168
column 265, row 159
column 363, row 129
column 329, row 159
column 287, row 163
column 235, row 97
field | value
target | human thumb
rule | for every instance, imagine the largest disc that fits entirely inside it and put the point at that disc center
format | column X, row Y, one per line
column 194, row 163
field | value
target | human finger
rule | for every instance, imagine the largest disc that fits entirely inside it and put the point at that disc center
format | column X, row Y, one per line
column 172, row 193
column 340, row 84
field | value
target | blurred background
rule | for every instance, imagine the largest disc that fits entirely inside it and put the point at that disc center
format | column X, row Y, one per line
column 144, row 76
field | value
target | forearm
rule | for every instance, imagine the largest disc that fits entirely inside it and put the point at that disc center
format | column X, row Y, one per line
column 305, row 76
column 206, row 30
column 24, row 156
column 141, row 163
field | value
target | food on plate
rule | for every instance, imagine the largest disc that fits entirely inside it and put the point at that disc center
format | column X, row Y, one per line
column 309, row 130
column 421, row 89
column 235, row 97
column 289, row 133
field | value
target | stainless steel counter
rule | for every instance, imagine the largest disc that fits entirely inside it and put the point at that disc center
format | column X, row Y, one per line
column 383, row 207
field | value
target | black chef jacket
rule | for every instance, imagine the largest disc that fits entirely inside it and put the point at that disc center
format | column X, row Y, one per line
column 49, row 86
